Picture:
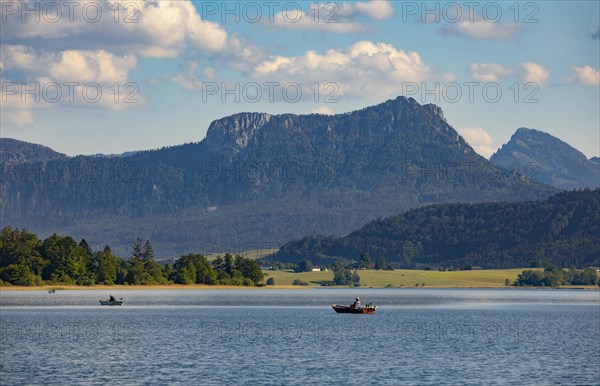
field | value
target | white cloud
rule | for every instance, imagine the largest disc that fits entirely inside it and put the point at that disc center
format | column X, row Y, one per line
column 481, row 29
column 17, row 56
column 479, row 139
column 203, row 34
column 494, row 72
column 193, row 78
column 322, row 110
column 305, row 21
column 186, row 82
column 242, row 54
column 96, row 79
column 274, row 64
column 376, row 70
column 586, row 75
column 335, row 18
column 91, row 66
column 376, row 9
column 488, row 72
column 144, row 28
column 68, row 66
column 104, row 51
column 534, row 73
column 448, row 77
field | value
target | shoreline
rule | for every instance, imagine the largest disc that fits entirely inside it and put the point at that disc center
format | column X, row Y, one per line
column 271, row 287
column 143, row 287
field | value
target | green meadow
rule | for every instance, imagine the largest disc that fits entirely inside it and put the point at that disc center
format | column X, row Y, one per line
column 407, row 278
column 250, row 254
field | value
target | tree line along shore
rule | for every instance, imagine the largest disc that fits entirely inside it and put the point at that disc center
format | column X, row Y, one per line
column 60, row 262
column 25, row 260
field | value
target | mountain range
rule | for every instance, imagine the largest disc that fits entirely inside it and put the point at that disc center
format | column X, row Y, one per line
column 547, row 159
column 257, row 180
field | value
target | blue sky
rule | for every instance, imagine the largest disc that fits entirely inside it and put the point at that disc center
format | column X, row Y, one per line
column 175, row 60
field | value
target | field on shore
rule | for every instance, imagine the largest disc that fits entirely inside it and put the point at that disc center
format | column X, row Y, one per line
column 408, row 278
column 253, row 254
column 491, row 278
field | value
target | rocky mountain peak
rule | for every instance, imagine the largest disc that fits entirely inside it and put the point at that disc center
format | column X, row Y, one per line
column 547, row 159
column 236, row 131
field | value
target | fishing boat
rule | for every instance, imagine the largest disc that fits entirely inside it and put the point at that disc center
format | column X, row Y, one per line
column 111, row 302
column 368, row 309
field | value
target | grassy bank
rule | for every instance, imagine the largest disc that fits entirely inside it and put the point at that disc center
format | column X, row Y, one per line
column 408, row 278
column 251, row 254
column 492, row 278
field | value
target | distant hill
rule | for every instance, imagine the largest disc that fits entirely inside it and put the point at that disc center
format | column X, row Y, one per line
column 102, row 155
column 547, row 159
column 563, row 230
column 258, row 180
column 12, row 150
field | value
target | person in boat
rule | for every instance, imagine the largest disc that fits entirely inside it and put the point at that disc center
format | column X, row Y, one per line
column 356, row 303
column 111, row 298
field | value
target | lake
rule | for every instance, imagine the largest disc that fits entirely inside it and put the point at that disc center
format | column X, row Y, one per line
column 275, row 337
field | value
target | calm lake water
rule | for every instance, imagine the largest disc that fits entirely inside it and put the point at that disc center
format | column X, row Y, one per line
column 284, row 337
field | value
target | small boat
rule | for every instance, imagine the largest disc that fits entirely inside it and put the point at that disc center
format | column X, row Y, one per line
column 111, row 302
column 368, row 309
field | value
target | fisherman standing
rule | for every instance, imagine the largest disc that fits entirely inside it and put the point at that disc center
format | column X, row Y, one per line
column 356, row 303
